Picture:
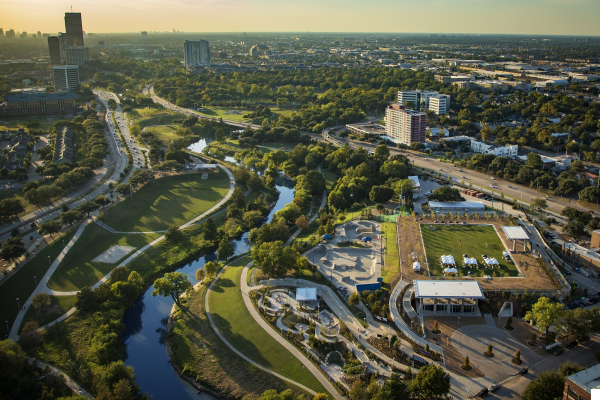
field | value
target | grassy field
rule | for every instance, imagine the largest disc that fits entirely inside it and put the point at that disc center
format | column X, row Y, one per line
column 22, row 283
column 166, row 132
column 330, row 178
column 16, row 124
column 77, row 269
column 473, row 240
column 59, row 305
column 237, row 114
column 158, row 119
column 392, row 261
column 242, row 331
column 168, row 201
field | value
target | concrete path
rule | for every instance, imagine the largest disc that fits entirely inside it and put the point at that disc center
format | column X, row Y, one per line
column 42, row 285
column 74, row 386
column 314, row 217
column 245, row 289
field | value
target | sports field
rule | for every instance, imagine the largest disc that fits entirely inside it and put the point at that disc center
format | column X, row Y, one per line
column 473, row 240
column 168, row 201
column 245, row 334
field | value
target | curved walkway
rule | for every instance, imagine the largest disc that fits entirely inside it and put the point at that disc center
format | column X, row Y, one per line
column 318, row 375
column 43, row 282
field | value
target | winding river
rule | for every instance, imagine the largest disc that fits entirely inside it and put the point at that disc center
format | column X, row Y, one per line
column 145, row 329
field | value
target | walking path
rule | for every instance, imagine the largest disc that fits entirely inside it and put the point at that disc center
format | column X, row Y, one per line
column 41, row 287
column 314, row 217
column 74, row 386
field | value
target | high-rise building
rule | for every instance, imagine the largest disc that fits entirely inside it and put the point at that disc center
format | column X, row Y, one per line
column 77, row 55
column 39, row 34
column 65, row 77
column 405, row 126
column 54, row 49
column 10, row 34
column 23, row 35
column 74, row 29
column 254, row 51
column 196, row 53
column 440, row 104
column 1, row 32
column 418, row 98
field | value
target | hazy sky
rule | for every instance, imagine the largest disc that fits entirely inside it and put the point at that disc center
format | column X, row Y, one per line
column 558, row 17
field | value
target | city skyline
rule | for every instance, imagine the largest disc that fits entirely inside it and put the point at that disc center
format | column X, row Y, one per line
column 532, row 17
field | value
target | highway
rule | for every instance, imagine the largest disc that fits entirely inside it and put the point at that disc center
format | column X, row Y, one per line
column 479, row 181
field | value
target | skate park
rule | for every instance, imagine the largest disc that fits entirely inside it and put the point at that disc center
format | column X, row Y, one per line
column 351, row 257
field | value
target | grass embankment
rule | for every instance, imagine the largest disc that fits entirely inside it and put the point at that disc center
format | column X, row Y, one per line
column 59, row 305
column 239, row 328
column 330, row 178
column 390, row 269
column 473, row 240
column 22, row 283
column 168, row 201
column 202, row 356
column 237, row 114
column 77, row 268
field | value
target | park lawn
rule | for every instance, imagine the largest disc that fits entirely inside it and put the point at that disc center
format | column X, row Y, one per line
column 168, row 201
column 16, row 124
column 475, row 241
column 230, row 113
column 77, row 269
column 392, row 262
column 241, row 330
column 167, row 118
column 59, row 305
column 165, row 132
column 22, row 283
column 330, row 178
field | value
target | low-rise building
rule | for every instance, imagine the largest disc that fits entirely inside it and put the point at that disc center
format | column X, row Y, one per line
column 39, row 104
column 579, row 386
column 448, row 297
column 459, row 139
column 368, row 128
column 63, row 145
column 510, row 151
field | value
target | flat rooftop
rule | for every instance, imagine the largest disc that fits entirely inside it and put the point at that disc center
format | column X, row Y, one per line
column 477, row 205
column 448, row 289
column 515, row 233
column 587, row 379
column 415, row 179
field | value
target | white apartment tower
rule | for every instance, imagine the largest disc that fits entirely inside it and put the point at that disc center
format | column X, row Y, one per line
column 418, row 98
column 440, row 104
column 405, row 126
column 196, row 53
column 65, row 77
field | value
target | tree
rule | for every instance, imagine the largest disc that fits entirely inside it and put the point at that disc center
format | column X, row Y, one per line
column 40, row 301
column 70, row 217
column 446, row 193
column 381, row 194
column 85, row 300
column 225, row 249
column 13, row 360
column 10, row 208
column 49, row 228
column 382, row 152
column 548, row 385
column 173, row 284
column 274, row 258
column 539, row 202
column 517, row 358
column 302, row 223
column 466, row 364
column 354, row 299
column 88, row 207
column 431, row 381
column 486, row 132
column 30, row 337
column 358, row 391
column 237, row 198
column 574, row 228
column 173, row 234
column 394, row 389
column 577, row 166
column 545, row 313
column 209, row 230
column 534, row 161
column 581, row 321
column 123, row 189
column 200, row 274
column 13, row 248
column 569, row 368
column 210, row 268
column 590, row 194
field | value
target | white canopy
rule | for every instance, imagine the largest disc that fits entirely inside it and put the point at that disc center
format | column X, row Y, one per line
column 491, row 261
column 469, row 261
column 450, row 271
column 506, row 254
column 416, row 266
column 447, row 260
column 306, row 294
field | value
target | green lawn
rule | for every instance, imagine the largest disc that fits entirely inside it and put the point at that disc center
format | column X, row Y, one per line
column 473, row 240
column 237, row 114
column 165, row 132
column 168, row 201
column 22, row 283
column 44, row 123
column 163, row 118
column 242, row 331
column 330, row 178
column 59, row 305
column 77, row 269
column 392, row 261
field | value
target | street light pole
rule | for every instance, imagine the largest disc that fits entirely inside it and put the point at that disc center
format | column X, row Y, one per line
column 35, row 279
column 49, row 260
column 18, row 304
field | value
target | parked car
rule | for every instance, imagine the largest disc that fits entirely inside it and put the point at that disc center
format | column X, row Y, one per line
column 494, row 387
column 584, row 339
column 482, row 393
column 573, row 344
column 558, row 352
column 523, row 371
